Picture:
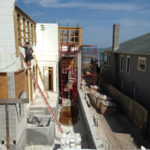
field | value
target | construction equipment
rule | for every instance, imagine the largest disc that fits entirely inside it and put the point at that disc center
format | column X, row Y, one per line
column 42, row 95
column 41, row 76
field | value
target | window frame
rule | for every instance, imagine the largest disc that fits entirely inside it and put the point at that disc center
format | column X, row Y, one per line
column 121, row 63
column 127, row 58
column 105, row 59
column 138, row 66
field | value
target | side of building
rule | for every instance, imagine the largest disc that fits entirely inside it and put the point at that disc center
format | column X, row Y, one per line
column 126, row 67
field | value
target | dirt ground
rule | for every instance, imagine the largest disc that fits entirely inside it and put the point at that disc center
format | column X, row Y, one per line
column 117, row 133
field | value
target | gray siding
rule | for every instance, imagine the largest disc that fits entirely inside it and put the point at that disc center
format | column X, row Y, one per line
column 135, row 84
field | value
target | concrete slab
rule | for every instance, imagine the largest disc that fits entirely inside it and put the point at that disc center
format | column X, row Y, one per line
column 53, row 100
column 39, row 103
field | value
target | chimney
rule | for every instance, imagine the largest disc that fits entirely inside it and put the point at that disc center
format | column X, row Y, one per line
column 116, row 37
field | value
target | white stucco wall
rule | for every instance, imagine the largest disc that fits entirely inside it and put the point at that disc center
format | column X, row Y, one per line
column 46, row 50
column 47, row 42
column 8, row 59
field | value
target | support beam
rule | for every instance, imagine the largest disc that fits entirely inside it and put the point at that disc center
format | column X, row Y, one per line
column 4, row 101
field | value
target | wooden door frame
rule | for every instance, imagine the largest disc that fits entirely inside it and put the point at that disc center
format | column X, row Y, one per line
column 50, row 69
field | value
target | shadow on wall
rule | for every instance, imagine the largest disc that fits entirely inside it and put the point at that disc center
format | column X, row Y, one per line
column 136, row 113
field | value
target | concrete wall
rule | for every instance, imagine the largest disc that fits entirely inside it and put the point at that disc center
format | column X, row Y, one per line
column 17, row 121
column 47, row 51
column 79, row 68
column 94, row 142
column 47, row 42
column 135, row 112
column 8, row 59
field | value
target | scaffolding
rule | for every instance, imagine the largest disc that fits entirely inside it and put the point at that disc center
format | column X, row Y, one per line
column 68, row 49
column 69, row 84
column 89, row 61
column 69, row 71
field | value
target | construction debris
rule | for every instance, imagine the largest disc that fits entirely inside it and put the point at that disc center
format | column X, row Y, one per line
column 71, row 140
column 41, row 122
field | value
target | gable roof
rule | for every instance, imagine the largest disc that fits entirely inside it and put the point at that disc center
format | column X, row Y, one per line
column 139, row 44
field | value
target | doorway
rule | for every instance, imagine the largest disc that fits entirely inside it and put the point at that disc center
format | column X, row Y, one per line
column 48, row 78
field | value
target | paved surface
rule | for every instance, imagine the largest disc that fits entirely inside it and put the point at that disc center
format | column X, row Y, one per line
column 117, row 133
column 39, row 102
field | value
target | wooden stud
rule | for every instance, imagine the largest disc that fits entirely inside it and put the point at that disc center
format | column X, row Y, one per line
column 24, row 30
column 27, row 84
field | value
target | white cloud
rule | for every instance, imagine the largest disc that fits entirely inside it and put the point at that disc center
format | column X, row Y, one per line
column 86, row 5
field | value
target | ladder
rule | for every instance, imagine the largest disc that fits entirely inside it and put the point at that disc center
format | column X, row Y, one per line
column 42, row 95
column 41, row 76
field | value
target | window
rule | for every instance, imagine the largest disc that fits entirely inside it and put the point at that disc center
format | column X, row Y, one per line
column 108, row 59
column 142, row 63
column 105, row 59
column 121, row 63
column 101, row 58
column 128, row 64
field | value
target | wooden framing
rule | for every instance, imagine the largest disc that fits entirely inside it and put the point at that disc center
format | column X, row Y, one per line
column 19, row 82
column 70, row 35
column 16, row 33
column 31, row 89
column 27, row 84
column 28, row 26
column 25, row 29
column 36, row 73
column 34, row 34
column 50, row 72
column 19, row 28
column 68, row 62
column 3, row 85
column 32, row 38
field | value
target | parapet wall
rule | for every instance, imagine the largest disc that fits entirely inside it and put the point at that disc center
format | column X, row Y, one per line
column 93, row 137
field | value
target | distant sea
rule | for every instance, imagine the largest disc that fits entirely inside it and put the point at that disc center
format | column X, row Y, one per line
column 98, row 55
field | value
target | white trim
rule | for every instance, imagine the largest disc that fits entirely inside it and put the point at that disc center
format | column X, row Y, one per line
column 138, row 66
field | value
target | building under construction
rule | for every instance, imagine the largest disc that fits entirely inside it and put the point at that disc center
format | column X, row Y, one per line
column 30, row 97
column 47, row 106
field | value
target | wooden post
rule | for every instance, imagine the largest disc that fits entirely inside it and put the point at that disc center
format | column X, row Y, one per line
column 7, row 125
column 7, row 102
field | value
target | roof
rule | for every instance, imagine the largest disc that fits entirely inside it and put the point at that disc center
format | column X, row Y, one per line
column 138, row 45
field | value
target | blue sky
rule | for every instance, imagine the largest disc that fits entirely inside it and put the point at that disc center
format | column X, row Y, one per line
column 96, row 17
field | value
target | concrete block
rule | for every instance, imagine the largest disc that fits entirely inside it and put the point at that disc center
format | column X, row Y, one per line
column 37, row 135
